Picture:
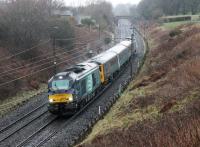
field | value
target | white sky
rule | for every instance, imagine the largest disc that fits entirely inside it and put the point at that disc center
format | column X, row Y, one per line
column 114, row 2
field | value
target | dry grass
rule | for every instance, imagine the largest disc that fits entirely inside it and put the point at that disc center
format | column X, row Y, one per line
column 11, row 103
column 170, row 131
column 162, row 106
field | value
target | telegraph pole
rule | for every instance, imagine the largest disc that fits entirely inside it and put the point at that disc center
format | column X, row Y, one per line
column 54, row 54
column 99, row 32
column 54, row 49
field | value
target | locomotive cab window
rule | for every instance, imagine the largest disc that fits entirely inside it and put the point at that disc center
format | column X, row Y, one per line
column 83, row 86
column 60, row 85
column 77, row 87
column 94, row 79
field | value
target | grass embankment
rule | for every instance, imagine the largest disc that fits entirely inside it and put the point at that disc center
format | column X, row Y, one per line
column 11, row 103
column 162, row 106
column 173, row 25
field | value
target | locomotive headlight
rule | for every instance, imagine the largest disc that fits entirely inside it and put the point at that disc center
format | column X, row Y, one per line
column 70, row 98
column 51, row 100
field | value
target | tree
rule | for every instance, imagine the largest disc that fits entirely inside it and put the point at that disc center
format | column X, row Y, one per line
column 194, row 5
column 24, row 23
column 185, row 7
column 61, row 30
column 88, row 22
column 100, row 11
column 133, row 12
column 150, row 9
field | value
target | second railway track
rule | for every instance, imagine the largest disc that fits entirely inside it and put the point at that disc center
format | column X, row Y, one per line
column 19, row 124
column 20, row 119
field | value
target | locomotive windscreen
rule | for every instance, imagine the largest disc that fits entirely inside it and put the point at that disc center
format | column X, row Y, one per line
column 60, row 83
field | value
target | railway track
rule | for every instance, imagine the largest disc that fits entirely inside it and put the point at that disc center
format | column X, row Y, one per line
column 19, row 119
column 53, row 119
column 8, row 131
column 49, row 136
column 71, row 119
column 14, row 127
column 60, row 126
column 72, row 135
column 27, row 141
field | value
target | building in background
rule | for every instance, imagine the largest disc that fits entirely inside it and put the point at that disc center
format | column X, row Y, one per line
column 63, row 13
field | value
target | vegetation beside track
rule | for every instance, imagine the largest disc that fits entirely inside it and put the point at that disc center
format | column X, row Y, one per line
column 162, row 106
column 12, row 103
column 173, row 25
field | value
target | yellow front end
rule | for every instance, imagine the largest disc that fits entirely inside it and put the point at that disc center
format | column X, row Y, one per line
column 60, row 98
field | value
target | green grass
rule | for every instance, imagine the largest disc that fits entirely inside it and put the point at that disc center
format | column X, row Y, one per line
column 173, row 25
column 195, row 17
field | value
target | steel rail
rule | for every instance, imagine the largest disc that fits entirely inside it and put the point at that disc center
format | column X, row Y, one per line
column 29, row 122
column 35, row 133
column 25, row 116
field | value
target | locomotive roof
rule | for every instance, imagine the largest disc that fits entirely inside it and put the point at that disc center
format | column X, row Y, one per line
column 78, row 71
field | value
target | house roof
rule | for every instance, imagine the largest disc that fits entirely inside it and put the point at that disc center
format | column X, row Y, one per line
column 62, row 13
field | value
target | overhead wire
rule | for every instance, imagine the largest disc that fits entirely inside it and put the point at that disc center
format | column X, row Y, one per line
column 31, row 58
column 49, row 57
column 49, row 67
column 26, row 50
column 8, row 82
column 16, row 70
column 22, row 77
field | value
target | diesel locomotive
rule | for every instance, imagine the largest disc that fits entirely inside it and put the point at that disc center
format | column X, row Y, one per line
column 70, row 90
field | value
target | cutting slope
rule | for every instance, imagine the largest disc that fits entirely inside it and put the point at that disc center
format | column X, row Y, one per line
column 162, row 106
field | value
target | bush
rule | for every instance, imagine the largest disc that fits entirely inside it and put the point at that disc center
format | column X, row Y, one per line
column 62, row 31
column 88, row 22
column 175, row 32
column 107, row 40
column 26, row 23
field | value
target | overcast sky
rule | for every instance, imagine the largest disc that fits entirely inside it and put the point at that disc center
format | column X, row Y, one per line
column 114, row 2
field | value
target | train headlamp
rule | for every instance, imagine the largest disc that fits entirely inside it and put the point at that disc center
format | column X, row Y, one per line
column 51, row 100
column 70, row 98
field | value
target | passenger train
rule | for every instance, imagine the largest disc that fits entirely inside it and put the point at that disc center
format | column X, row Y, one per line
column 72, row 89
